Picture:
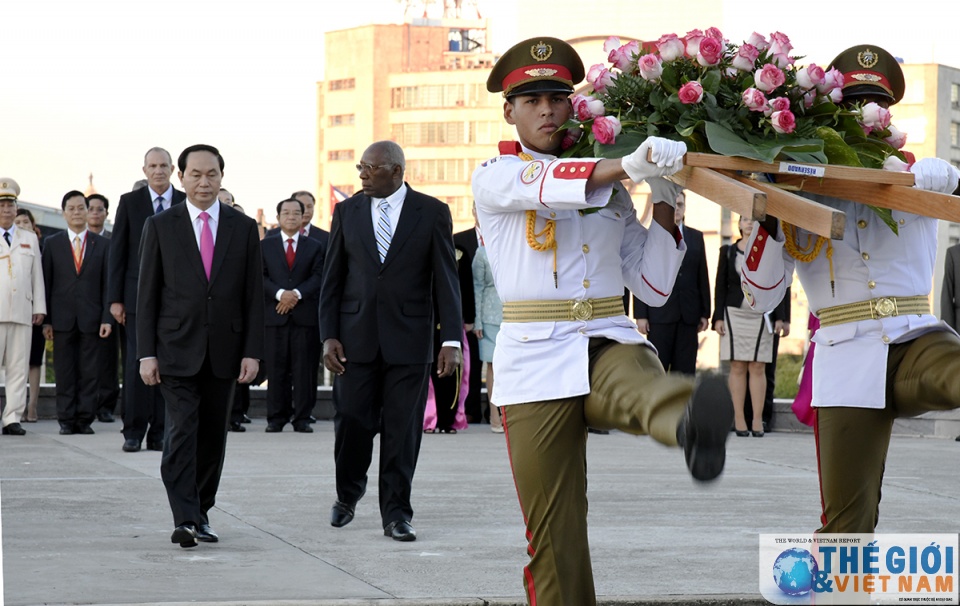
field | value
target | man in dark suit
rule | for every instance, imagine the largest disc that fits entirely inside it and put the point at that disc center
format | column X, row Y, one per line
column 390, row 254
column 143, row 415
column 108, row 391
column 292, row 274
column 307, row 229
column 199, row 332
column 75, row 276
column 468, row 241
column 673, row 329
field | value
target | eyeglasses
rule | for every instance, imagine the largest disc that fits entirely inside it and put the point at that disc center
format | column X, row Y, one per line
column 370, row 167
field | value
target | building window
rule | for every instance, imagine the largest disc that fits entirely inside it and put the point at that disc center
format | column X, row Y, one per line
column 955, row 95
column 338, row 155
column 444, row 133
column 340, row 120
column 955, row 134
column 344, row 84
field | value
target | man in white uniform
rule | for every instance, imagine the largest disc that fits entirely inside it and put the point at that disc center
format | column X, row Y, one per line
column 881, row 354
column 563, row 239
column 22, row 303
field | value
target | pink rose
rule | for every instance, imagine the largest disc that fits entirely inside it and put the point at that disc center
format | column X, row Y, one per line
column 710, row 52
column 779, row 104
column 758, row 42
column 897, row 137
column 670, row 47
column 836, row 95
column 809, row 98
column 606, row 129
column 811, row 77
column 623, row 57
column 895, row 164
column 650, row 67
column 782, row 60
column 754, row 100
column 587, row 107
column 690, row 93
column 610, row 44
column 768, row 77
column 832, row 79
column 746, row 57
column 571, row 136
column 692, row 42
column 783, row 121
column 714, row 33
column 780, row 44
column 600, row 77
column 874, row 117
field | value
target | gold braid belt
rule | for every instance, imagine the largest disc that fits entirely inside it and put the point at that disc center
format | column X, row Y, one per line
column 874, row 309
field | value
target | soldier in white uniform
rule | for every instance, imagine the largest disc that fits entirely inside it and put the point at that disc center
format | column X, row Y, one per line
column 563, row 239
column 22, row 303
column 881, row 354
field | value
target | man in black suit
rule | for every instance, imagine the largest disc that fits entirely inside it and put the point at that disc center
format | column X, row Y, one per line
column 468, row 241
column 199, row 332
column 307, row 229
column 143, row 415
column 673, row 329
column 108, row 391
column 390, row 254
column 292, row 274
column 75, row 276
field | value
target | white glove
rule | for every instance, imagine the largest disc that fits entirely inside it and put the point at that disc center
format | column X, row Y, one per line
column 666, row 158
column 662, row 190
column 934, row 174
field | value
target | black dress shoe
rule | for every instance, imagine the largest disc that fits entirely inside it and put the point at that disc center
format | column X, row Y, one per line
column 246, row 419
column 400, row 530
column 131, row 445
column 105, row 417
column 312, row 419
column 341, row 514
column 185, row 535
column 158, row 446
column 274, row 428
column 305, row 428
column 84, row 430
column 235, row 426
column 66, row 429
column 13, row 429
column 206, row 534
column 704, row 428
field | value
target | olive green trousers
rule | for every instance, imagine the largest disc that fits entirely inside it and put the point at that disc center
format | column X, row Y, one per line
column 547, row 443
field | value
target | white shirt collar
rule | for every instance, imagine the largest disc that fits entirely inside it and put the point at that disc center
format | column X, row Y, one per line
column 213, row 211
column 72, row 234
column 395, row 197
column 295, row 236
column 167, row 195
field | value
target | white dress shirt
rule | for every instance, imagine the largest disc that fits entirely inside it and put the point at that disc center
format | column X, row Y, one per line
column 83, row 241
column 167, row 198
column 296, row 241
column 213, row 221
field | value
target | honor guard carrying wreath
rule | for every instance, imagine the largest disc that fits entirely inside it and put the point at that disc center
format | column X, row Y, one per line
column 563, row 240
column 880, row 353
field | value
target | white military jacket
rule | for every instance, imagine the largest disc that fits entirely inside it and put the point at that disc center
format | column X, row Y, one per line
column 849, row 366
column 21, row 278
column 597, row 253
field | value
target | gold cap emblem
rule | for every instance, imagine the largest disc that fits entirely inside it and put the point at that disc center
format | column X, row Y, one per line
column 867, row 58
column 541, row 51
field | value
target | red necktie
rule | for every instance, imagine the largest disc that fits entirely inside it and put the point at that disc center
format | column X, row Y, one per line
column 291, row 255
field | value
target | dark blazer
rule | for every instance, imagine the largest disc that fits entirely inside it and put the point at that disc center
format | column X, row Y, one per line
column 368, row 306
column 315, row 233
column 950, row 293
column 690, row 299
column 76, row 300
column 727, row 291
column 181, row 318
column 133, row 210
column 467, row 242
column 306, row 275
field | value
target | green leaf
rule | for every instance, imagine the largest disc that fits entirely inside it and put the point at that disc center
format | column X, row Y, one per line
column 670, row 79
column 626, row 143
column 886, row 215
column 710, row 81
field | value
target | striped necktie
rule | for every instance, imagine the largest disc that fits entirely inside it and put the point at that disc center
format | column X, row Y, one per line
column 159, row 202
column 384, row 231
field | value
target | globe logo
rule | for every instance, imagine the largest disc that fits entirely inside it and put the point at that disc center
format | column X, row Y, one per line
column 794, row 571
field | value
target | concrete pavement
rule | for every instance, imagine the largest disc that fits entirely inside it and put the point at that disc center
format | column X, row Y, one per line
column 85, row 523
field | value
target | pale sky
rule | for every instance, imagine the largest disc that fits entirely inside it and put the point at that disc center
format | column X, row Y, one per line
column 90, row 85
